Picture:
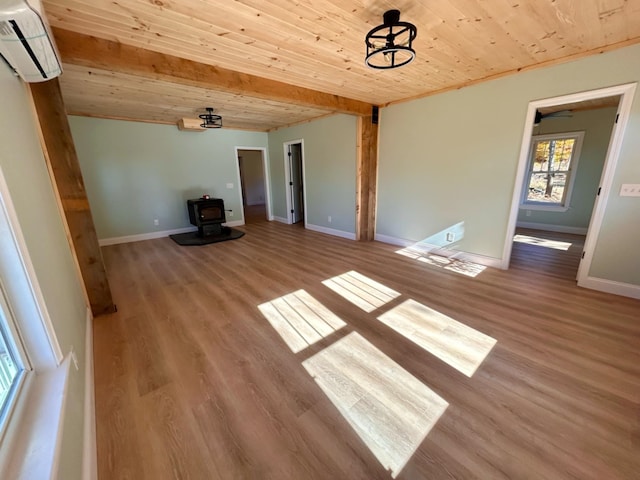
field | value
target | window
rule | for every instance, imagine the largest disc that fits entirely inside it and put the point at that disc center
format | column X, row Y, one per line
column 552, row 163
column 11, row 359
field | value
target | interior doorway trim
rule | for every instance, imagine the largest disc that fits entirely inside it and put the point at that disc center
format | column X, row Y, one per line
column 267, row 180
column 613, row 152
column 287, row 180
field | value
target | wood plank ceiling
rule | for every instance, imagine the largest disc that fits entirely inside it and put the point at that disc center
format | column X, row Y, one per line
column 319, row 45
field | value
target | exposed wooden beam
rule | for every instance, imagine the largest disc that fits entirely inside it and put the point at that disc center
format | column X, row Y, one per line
column 62, row 162
column 366, row 181
column 88, row 51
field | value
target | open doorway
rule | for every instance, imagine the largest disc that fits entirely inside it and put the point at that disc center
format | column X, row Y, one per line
column 254, row 187
column 561, row 186
column 294, row 177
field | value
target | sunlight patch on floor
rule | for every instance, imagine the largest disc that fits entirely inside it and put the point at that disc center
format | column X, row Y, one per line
column 456, row 344
column 542, row 242
column 390, row 410
column 300, row 319
column 363, row 292
column 450, row 263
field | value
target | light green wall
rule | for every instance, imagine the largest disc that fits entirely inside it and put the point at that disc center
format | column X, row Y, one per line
column 452, row 157
column 597, row 125
column 330, row 170
column 25, row 170
column 137, row 172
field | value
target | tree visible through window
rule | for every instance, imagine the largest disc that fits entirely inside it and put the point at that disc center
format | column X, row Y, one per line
column 552, row 164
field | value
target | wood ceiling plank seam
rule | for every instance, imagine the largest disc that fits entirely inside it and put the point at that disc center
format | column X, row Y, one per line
column 504, row 49
column 524, row 23
column 317, row 85
column 381, row 99
column 172, row 25
column 350, row 93
column 614, row 17
column 166, row 90
column 94, row 52
column 520, row 70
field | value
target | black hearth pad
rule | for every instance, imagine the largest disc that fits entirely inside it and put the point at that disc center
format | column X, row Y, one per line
column 192, row 238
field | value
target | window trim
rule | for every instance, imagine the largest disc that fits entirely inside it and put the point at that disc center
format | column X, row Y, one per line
column 571, row 172
column 35, row 418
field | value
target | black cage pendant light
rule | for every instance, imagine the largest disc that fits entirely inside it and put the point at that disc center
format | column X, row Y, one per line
column 389, row 44
column 211, row 120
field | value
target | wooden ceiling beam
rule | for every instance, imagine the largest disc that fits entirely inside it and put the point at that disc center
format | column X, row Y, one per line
column 93, row 52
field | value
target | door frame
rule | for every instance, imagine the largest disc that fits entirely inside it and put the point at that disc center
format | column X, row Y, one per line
column 266, row 178
column 287, row 179
column 626, row 91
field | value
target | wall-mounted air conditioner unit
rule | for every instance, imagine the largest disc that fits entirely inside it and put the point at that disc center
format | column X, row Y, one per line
column 25, row 41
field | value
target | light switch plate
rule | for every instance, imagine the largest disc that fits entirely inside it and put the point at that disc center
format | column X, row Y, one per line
column 229, row 185
column 630, row 190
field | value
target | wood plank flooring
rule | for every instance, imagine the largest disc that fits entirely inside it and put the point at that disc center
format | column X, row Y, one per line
column 193, row 382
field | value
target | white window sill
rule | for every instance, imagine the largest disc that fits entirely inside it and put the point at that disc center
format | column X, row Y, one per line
column 543, row 208
column 31, row 445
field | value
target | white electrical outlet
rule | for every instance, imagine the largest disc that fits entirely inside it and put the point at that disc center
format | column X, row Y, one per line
column 156, row 222
column 231, row 213
column 630, row 190
column 229, row 185
column 528, row 213
column 329, row 219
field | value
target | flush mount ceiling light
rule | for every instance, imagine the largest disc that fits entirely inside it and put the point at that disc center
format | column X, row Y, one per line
column 389, row 44
column 211, row 120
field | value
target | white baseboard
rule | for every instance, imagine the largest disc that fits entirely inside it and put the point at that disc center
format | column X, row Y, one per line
column 153, row 235
column 89, row 453
column 144, row 236
column 331, row 231
column 611, row 286
column 280, row 219
column 459, row 254
column 552, row 228
column 235, row 223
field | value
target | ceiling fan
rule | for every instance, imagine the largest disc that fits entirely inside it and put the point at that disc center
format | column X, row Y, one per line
column 559, row 114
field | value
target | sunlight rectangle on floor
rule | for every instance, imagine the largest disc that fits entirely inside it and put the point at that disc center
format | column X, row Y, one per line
column 300, row 319
column 390, row 410
column 360, row 290
column 456, row 344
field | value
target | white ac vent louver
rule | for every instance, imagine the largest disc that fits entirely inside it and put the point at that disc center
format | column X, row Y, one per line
column 25, row 41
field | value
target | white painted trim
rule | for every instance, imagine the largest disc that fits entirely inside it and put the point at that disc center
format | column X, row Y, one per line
column 287, row 179
column 401, row 242
column 89, row 451
column 153, row 235
column 235, row 223
column 552, row 228
column 266, row 177
column 144, row 236
column 280, row 219
column 330, row 231
column 459, row 254
column 613, row 152
column 23, row 292
column 611, row 286
column 34, row 435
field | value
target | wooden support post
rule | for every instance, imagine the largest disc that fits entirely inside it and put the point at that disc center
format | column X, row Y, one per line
column 367, row 174
column 62, row 162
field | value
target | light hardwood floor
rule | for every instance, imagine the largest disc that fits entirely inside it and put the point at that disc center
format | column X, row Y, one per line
column 193, row 382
